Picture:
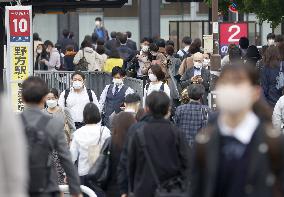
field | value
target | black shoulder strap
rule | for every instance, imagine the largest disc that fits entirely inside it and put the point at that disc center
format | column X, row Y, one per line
column 142, row 141
column 162, row 88
column 89, row 91
column 67, row 91
column 147, row 86
column 184, row 52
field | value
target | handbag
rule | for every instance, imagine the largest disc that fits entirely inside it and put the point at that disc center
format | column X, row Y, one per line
column 280, row 78
column 173, row 187
column 100, row 171
column 95, row 149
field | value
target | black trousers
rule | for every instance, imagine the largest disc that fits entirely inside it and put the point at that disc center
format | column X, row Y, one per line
column 99, row 192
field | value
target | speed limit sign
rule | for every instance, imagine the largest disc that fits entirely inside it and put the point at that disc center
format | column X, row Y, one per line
column 19, row 25
column 230, row 33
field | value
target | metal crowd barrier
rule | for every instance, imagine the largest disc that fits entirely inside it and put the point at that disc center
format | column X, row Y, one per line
column 84, row 189
column 96, row 81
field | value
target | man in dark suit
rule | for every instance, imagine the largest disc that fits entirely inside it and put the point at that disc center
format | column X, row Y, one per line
column 130, row 43
column 197, row 74
column 125, row 52
column 113, row 42
column 33, row 94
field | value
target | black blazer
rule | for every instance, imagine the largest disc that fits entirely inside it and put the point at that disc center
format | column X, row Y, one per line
column 205, row 166
column 189, row 73
column 131, row 44
column 170, row 156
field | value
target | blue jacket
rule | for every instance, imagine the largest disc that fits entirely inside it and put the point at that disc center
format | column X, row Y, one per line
column 268, row 83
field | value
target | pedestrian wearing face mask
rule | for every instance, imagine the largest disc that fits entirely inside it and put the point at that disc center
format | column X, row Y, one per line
column 156, row 82
column 100, row 30
column 77, row 97
column 40, row 55
column 197, row 74
column 206, row 61
column 53, row 62
column 63, row 116
column 240, row 153
column 113, row 95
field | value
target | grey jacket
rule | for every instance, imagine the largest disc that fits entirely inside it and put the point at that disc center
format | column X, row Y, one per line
column 13, row 162
column 56, row 133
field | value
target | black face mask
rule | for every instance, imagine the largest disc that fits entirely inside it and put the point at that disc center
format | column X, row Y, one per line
column 152, row 57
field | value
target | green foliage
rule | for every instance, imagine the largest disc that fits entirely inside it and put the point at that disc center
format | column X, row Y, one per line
column 271, row 10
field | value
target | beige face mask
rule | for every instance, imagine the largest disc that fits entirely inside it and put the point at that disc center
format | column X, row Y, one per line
column 233, row 99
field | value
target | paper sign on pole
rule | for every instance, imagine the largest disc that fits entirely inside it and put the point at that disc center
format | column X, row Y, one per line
column 19, row 51
column 208, row 43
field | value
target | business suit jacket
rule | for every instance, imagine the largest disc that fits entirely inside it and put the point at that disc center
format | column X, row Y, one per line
column 58, row 142
column 112, row 44
column 258, row 177
column 131, row 44
column 189, row 73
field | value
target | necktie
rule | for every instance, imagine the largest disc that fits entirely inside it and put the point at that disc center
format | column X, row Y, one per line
column 116, row 90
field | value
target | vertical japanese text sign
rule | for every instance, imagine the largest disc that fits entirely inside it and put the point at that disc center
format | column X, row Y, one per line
column 18, row 22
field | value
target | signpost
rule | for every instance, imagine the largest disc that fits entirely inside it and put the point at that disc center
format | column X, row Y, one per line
column 230, row 33
column 19, row 51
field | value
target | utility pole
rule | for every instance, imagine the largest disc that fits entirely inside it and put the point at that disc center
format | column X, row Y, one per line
column 215, row 58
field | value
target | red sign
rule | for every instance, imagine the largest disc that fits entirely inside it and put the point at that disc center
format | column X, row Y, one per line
column 230, row 33
column 19, row 22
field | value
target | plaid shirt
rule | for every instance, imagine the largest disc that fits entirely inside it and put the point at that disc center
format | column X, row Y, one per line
column 190, row 118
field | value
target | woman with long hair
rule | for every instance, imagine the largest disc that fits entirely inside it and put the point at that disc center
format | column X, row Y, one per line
column 120, row 125
column 269, row 75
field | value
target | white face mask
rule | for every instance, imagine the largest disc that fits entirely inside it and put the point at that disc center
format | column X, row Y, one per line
column 39, row 51
column 77, row 85
column 145, row 48
column 117, row 81
column 198, row 65
column 270, row 42
column 98, row 23
column 51, row 103
column 233, row 99
column 153, row 77
column 206, row 62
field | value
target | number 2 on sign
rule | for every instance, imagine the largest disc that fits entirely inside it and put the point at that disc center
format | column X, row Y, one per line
column 21, row 25
column 232, row 37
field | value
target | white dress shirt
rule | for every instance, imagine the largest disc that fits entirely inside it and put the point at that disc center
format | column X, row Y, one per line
column 104, row 94
column 83, row 138
column 244, row 131
column 76, row 103
column 155, row 87
column 197, row 71
column 181, row 54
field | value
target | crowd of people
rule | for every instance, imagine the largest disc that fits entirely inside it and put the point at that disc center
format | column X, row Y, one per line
column 121, row 145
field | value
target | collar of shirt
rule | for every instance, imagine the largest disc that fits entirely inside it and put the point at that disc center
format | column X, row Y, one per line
column 129, row 110
column 73, row 90
column 186, row 48
column 244, row 131
column 119, row 87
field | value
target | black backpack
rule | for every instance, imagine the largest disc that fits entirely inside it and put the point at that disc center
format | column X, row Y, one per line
column 82, row 64
column 40, row 154
column 67, row 91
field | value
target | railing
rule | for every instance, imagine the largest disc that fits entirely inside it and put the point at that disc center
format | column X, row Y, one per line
column 96, row 81
column 84, row 189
